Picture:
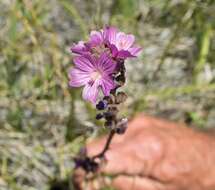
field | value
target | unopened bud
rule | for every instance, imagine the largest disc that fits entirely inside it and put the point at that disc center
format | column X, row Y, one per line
column 120, row 97
column 109, row 116
column 108, row 123
column 101, row 105
column 122, row 126
column 99, row 116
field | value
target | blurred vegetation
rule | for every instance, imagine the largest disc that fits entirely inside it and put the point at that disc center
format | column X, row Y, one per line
column 44, row 123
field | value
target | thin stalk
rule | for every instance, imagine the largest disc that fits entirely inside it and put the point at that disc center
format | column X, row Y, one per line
column 107, row 145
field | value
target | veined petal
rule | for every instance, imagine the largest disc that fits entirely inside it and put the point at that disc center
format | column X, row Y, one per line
column 79, row 48
column 90, row 92
column 123, row 54
column 105, row 64
column 84, row 63
column 78, row 77
column 110, row 34
column 124, row 41
column 96, row 38
column 107, row 85
column 135, row 50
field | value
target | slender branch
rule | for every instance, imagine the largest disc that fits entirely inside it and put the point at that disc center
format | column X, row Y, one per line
column 107, row 145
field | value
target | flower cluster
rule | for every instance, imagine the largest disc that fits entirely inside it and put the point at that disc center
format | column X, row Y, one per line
column 99, row 66
column 99, row 61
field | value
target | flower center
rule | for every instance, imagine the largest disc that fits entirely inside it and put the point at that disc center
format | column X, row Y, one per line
column 122, row 44
column 95, row 75
column 97, row 50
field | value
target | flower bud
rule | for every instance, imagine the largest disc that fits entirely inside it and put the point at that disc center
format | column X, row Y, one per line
column 120, row 78
column 101, row 105
column 88, row 164
column 120, row 97
column 122, row 126
column 108, row 123
column 99, row 116
column 109, row 116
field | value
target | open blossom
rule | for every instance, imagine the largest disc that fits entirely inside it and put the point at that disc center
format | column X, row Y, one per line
column 94, row 74
column 119, row 44
column 122, row 45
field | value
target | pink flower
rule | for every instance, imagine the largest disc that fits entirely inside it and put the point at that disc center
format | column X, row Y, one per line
column 94, row 74
column 109, row 40
column 121, row 44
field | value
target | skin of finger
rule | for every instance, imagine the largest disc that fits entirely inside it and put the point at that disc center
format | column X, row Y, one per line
column 137, row 156
column 179, row 168
column 136, row 183
column 189, row 160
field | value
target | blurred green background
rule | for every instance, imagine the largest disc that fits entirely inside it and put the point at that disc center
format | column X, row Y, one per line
column 43, row 123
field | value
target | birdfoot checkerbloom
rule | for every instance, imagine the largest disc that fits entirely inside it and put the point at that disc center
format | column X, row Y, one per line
column 99, row 59
column 94, row 74
column 99, row 68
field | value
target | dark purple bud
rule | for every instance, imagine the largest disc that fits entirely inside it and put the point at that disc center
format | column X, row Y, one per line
column 120, row 78
column 122, row 126
column 109, row 116
column 78, row 162
column 101, row 105
column 88, row 164
column 99, row 116
column 120, row 130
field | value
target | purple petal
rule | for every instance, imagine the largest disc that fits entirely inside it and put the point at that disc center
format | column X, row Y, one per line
column 90, row 92
column 124, row 41
column 114, row 50
column 79, row 48
column 135, row 50
column 106, row 64
column 124, row 54
column 110, row 34
column 107, row 85
column 85, row 63
column 96, row 38
column 78, row 77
